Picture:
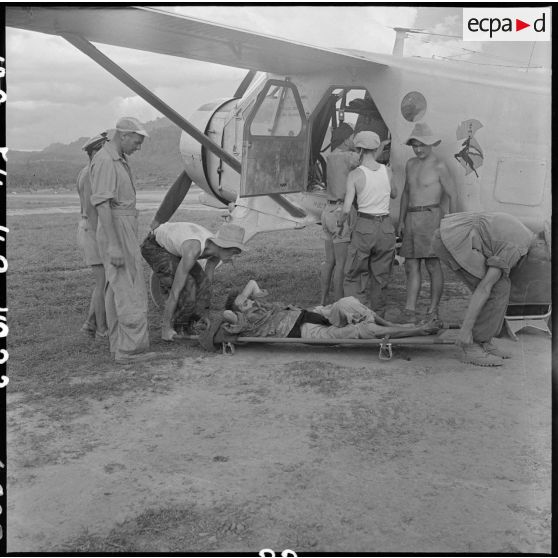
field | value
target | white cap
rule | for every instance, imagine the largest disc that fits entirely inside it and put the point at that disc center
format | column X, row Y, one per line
column 130, row 124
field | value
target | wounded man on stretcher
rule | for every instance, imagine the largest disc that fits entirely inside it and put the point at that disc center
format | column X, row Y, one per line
column 247, row 315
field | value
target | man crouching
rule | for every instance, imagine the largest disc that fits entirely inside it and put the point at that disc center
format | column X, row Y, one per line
column 173, row 250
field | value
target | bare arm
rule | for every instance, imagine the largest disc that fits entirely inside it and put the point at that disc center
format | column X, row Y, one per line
column 478, row 299
column 393, row 189
column 349, row 197
column 404, row 204
column 251, row 290
column 448, row 185
column 396, row 331
column 114, row 248
column 80, row 193
column 190, row 251
column 230, row 316
column 210, row 266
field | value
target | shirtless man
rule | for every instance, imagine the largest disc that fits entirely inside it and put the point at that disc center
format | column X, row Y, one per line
column 340, row 162
column 427, row 179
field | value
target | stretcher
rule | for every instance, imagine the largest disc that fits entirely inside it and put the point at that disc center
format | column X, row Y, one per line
column 445, row 336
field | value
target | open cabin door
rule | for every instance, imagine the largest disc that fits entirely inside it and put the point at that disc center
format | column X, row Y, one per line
column 275, row 146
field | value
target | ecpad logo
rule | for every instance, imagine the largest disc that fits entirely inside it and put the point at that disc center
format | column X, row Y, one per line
column 506, row 24
column 493, row 25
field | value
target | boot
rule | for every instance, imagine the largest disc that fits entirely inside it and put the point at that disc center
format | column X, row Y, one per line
column 489, row 347
column 475, row 354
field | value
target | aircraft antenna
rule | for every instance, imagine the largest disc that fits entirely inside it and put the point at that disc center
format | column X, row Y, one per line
column 400, row 36
column 530, row 56
column 471, row 51
column 404, row 33
column 401, row 33
column 488, row 64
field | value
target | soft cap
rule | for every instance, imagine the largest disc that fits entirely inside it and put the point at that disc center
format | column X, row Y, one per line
column 367, row 140
column 130, row 124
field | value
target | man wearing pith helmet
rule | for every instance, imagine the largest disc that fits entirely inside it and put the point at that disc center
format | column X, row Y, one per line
column 96, row 323
column 372, row 246
column 114, row 196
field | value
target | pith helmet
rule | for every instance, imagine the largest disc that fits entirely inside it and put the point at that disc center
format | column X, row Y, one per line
column 95, row 142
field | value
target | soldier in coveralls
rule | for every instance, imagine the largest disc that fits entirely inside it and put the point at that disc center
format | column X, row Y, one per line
column 114, row 196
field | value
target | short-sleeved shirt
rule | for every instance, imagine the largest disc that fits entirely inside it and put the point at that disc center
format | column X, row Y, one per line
column 265, row 319
column 346, row 310
column 339, row 164
column 171, row 236
column 111, row 179
column 84, row 190
column 504, row 240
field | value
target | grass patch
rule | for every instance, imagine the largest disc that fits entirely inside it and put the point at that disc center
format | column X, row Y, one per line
column 49, row 288
column 175, row 529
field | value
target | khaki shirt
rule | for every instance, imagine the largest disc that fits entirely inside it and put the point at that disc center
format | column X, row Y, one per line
column 111, row 179
column 503, row 241
column 84, row 190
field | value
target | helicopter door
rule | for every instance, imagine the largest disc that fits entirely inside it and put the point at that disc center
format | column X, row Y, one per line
column 275, row 146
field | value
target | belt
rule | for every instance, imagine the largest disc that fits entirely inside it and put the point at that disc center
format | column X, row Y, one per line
column 422, row 207
column 335, row 201
column 371, row 216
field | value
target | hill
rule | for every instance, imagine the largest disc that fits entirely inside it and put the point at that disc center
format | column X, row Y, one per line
column 57, row 166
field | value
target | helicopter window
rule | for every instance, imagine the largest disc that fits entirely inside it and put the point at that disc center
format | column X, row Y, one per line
column 277, row 115
column 413, row 106
column 351, row 105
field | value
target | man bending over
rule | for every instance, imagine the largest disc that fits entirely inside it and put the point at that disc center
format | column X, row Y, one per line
column 173, row 250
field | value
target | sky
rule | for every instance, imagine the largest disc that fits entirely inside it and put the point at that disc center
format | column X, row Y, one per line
column 57, row 94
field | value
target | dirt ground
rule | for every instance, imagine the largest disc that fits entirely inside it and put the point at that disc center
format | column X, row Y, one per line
column 300, row 447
